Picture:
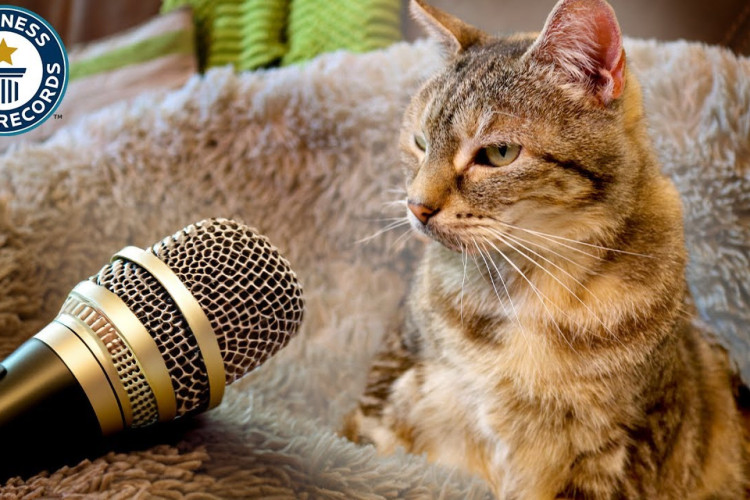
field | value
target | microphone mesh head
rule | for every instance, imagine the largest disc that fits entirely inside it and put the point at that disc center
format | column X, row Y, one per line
column 245, row 287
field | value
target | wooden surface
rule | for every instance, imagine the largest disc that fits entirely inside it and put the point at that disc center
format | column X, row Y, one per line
column 79, row 21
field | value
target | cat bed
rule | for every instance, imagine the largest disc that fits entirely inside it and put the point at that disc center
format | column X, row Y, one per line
column 308, row 155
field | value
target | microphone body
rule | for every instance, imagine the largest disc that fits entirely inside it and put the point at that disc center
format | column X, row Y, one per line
column 46, row 418
column 153, row 337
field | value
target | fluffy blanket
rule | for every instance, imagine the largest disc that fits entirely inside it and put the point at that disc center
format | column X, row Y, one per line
column 307, row 154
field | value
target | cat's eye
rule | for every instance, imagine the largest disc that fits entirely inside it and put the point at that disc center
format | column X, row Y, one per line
column 420, row 142
column 498, row 155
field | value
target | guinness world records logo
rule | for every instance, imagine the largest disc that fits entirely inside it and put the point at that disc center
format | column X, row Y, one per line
column 33, row 70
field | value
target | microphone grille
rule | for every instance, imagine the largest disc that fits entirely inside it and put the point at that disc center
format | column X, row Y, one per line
column 245, row 287
column 249, row 292
column 158, row 313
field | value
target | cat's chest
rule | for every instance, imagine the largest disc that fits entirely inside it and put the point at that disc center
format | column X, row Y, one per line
column 519, row 394
column 500, row 349
column 465, row 323
column 488, row 417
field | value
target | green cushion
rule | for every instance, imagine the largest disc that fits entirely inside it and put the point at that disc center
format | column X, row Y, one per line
column 250, row 34
column 318, row 26
column 263, row 26
column 203, row 17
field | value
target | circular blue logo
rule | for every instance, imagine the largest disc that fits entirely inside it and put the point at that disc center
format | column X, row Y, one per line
column 33, row 70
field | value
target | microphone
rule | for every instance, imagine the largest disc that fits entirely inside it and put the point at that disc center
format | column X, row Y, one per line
column 153, row 337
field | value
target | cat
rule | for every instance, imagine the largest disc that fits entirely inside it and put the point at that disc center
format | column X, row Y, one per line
column 549, row 344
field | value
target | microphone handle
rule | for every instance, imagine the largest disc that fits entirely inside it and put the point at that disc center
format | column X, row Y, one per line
column 46, row 419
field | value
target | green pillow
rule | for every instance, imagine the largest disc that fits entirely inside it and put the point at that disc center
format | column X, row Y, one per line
column 318, row 26
column 250, row 34
column 203, row 18
column 263, row 32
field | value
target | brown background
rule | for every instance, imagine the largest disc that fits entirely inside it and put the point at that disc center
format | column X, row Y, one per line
column 85, row 20
column 724, row 22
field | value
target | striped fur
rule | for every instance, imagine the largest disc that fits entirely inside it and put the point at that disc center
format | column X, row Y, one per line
column 549, row 344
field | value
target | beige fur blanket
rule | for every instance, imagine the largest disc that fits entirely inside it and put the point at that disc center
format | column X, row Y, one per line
column 307, row 154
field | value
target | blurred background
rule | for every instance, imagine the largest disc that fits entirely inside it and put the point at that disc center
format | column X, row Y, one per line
column 723, row 22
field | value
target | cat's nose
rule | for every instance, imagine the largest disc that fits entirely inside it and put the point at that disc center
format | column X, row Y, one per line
column 422, row 212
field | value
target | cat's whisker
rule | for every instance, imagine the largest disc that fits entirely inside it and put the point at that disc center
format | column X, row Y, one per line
column 591, row 245
column 539, row 294
column 476, row 263
column 577, row 242
column 395, row 203
column 507, row 240
column 489, row 271
column 465, row 259
column 519, row 241
column 548, row 249
column 551, row 240
column 505, row 287
column 401, row 241
column 485, row 256
column 386, row 219
column 396, row 221
column 526, row 278
column 400, row 222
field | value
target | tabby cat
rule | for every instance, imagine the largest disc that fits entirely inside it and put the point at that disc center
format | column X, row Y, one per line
column 548, row 344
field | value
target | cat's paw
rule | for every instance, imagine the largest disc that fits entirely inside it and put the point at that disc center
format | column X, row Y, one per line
column 351, row 428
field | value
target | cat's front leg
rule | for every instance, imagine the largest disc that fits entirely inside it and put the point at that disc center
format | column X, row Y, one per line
column 379, row 421
column 375, row 419
column 601, row 474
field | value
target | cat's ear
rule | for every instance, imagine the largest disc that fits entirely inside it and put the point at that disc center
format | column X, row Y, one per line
column 453, row 34
column 583, row 40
